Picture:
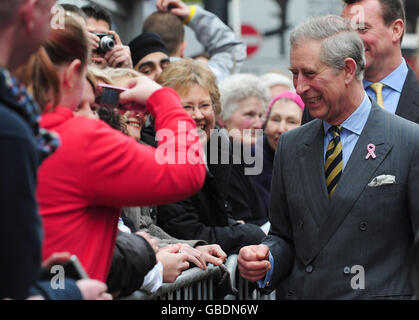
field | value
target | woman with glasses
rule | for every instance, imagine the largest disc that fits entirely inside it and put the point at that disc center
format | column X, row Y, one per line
column 206, row 215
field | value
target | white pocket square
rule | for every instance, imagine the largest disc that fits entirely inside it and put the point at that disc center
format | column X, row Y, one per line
column 382, row 181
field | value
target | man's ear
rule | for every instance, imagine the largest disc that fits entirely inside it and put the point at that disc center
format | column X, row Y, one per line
column 398, row 29
column 71, row 74
column 182, row 49
column 349, row 70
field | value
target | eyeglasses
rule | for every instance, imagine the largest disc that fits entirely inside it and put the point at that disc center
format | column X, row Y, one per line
column 204, row 107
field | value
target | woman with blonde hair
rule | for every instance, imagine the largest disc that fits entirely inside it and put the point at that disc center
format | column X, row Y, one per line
column 97, row 170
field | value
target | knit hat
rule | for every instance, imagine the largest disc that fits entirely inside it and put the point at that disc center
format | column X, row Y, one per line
column 289, row 95
column 144, row 44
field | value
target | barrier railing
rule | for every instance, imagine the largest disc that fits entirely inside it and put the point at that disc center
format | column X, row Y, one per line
column 246, row 289
column 192, row 284
column 198, row 284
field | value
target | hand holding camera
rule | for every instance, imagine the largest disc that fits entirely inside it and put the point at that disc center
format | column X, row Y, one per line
column 108, row 49
column 106, row 42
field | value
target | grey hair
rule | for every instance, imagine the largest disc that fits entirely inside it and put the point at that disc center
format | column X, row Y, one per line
column 238, row 87
column 271, row 79
column 339, row 41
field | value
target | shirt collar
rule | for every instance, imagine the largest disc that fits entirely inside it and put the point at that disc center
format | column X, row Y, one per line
column 356, row 121
column 394, row 80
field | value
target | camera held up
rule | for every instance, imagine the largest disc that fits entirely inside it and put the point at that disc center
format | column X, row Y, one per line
column 106, row 42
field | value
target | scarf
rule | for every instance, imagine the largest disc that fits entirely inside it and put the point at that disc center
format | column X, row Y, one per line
column 18, row 99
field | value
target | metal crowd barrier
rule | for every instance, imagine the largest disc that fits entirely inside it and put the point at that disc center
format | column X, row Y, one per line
column 198, row 284
column 192, row 284
column 246, row 289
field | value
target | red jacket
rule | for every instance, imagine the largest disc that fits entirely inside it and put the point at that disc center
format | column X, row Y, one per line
column 97, row 170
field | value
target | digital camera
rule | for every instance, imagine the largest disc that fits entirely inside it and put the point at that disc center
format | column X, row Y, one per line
column 106, row 42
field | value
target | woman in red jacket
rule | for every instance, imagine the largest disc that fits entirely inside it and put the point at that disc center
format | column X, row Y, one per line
column 97, row 170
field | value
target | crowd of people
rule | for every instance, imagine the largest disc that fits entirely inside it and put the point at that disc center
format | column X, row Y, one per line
column 143, row 162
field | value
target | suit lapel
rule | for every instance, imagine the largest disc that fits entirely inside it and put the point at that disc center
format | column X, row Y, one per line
column 357, row 174
column 311, row 170
column 408, row 106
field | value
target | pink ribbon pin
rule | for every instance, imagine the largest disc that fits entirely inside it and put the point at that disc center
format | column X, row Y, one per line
column 371, row 152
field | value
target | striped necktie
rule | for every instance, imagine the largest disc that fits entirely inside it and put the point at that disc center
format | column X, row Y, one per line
column 334, row 163
column 378, row 89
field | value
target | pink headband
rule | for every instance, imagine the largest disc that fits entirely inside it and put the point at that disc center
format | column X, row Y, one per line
column 285, row 95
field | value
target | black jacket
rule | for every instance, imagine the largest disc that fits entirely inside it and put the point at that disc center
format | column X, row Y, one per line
column 207, row 215
column 133, row 258
column 244, row 195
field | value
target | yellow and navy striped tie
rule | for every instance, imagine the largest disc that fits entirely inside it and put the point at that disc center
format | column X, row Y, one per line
column 334, row 161
column 378, row 89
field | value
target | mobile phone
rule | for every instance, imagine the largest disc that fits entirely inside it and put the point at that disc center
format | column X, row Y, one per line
column 110, row 99
column 72, row 269
column 110, row 95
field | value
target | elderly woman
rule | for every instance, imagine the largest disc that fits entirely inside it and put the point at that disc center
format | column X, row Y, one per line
column 244, row 98
column 284, row 113
column 207, row 215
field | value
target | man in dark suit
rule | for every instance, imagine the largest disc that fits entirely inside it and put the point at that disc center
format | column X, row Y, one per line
column 388, row 79
column 345, row 209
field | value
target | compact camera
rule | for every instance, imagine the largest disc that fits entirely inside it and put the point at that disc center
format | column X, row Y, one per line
column 106, row 42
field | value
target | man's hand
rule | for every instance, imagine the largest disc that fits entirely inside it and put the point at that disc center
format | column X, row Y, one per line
column 253, row 262
column 213, row 254
column 120, row 55
column 93, row 39
column 177, row 7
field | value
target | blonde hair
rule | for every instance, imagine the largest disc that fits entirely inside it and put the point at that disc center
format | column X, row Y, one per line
column 181, row 74
column 115, row 73
column 99, row 74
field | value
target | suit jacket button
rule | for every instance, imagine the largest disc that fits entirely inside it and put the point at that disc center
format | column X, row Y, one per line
column 301, row 224
column 363, row 226
column 346, row 270
column 309, row 269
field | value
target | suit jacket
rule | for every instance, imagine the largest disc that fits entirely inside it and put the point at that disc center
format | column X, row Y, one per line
column 408, row 106
column 317, row 243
